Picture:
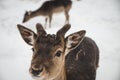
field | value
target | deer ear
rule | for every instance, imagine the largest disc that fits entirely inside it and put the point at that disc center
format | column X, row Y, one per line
column 27, row 34
column 73, row 40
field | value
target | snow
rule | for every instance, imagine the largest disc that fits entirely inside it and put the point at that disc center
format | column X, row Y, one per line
column 100, row 18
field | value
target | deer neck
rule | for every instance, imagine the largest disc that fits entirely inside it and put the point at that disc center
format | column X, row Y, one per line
column 62, row 75
column 34, row 14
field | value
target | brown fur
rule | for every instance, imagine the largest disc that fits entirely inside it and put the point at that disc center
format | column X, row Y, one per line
column 58, row 58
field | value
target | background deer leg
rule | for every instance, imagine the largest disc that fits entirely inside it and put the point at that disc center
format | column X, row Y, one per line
column 67, row 17
column 50, row 19
column 46, row 22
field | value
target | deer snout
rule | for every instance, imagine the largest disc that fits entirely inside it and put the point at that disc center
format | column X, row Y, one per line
column 36, row 70
column 24, row 21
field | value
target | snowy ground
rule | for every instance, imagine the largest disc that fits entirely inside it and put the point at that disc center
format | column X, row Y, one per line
column 100, row 18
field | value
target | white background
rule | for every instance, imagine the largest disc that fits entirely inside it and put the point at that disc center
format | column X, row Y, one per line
column 100, row 18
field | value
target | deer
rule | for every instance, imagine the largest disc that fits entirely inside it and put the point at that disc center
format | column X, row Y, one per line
column 48, row 8
column 56, row 57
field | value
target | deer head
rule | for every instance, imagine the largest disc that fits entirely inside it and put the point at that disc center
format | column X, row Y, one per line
column 49, row 50
column 27, row 16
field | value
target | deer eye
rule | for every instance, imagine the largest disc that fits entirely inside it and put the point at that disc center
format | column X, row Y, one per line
column 58, row 53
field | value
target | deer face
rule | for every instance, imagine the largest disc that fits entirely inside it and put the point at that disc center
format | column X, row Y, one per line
column 49, row 50
column 47, row 56
column 27, row 16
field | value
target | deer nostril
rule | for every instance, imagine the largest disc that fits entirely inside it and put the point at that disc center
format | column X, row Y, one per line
column 37, row 71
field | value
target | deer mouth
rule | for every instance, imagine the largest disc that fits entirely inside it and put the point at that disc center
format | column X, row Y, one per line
column 38, row 77
column 36, row 73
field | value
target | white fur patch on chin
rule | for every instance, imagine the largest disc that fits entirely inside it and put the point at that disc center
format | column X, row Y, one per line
column 38, row 78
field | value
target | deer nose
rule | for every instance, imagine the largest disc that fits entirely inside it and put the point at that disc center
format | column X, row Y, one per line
column 36, row 70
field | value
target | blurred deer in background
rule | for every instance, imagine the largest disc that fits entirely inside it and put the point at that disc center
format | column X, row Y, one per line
column 55, row 57
column 48, row 9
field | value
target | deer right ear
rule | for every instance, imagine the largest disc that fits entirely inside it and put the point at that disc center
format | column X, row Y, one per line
column 27, row 34
column 73, row 40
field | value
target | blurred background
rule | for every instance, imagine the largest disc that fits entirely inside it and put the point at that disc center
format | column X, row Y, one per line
column 100, row 18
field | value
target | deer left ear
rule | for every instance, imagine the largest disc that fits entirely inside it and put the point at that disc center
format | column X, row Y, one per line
column 73, row 40
column 28, row 35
